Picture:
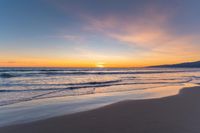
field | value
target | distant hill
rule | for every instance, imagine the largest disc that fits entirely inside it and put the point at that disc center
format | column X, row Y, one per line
column 181, row 65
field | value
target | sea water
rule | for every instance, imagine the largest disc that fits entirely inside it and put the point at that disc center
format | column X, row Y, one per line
column 28, row 94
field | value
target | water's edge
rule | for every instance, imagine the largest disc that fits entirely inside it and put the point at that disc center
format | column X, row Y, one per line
column 47, row 108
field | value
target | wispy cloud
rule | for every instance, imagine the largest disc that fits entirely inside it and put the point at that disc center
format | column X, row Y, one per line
column 150, row 30
column 8, row 62
column 67, row 37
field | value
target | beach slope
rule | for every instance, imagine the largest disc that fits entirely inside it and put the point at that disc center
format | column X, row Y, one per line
column 174, row 114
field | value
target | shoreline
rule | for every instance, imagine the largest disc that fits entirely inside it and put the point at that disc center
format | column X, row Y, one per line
column 178, row 113
column 36, row 110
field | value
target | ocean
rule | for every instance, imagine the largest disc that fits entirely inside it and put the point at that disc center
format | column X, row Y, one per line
column 57, row 91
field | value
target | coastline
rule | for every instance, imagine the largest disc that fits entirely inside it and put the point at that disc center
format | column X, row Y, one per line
column 172, row 114
column 41, row 109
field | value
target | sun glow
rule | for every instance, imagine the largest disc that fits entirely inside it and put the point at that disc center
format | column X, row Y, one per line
column 100, row 64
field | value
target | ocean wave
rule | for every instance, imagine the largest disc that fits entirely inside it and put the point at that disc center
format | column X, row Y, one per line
column 84, row 88
column 7, row 75
column 93, row 85
column 69, row 84
column 108, row 72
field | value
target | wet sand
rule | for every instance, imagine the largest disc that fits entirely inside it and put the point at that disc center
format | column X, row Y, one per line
column 174, row 114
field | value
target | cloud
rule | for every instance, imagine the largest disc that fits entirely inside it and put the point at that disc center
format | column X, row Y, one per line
column 148, row 27
column 150, row 30
column 9, row 62
column 67, row 37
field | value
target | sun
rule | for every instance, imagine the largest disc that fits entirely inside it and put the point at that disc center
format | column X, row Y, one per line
column 100, row 64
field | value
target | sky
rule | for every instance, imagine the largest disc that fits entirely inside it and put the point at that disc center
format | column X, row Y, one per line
column 98, row 33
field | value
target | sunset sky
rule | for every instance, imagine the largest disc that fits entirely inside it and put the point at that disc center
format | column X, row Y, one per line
column 98, row 33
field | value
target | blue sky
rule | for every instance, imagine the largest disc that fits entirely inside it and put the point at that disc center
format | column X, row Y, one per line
column 121, row 33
